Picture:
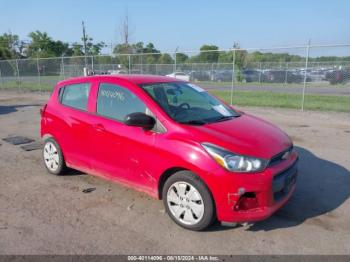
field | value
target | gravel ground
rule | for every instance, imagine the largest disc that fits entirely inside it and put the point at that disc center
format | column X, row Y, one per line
column 44, row 214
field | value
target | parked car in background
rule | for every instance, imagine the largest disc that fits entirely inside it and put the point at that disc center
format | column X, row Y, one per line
column 340, row 76
column 117, row 72
column 283, row 76
column 222, row 76
column 251, row 75
column 180, row 75
column 200, row 75
column 316, row 75
column 172, row 140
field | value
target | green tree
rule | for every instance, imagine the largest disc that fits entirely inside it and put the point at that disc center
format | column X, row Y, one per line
column 149, row 53
column 120, row 50
column 240, row 57
column 273, row 57
column 209, row 57
column 165, row 59
column 225, row 57
column 5, row 53
column 152, row 54
column 92, row 49
column 42, row 45
column 77, row 49
column 181, row 58
column 10, row 46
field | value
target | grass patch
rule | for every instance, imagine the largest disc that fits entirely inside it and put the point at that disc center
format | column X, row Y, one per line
column 286, row 100
column 29, row 86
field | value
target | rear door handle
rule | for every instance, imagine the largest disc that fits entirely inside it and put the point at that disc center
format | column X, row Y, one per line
column 99, row 128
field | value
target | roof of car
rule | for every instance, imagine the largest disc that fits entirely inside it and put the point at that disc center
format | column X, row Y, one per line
column 136, row 79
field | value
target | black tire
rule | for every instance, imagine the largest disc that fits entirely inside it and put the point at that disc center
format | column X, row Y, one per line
column 62, row 168
column 209, row 207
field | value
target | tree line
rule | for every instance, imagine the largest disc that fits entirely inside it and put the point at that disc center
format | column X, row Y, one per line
column 41, row 45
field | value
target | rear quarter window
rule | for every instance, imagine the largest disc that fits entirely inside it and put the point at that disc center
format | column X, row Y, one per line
column 75, row 95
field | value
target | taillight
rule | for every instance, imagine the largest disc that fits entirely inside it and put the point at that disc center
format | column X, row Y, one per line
column 42, row 110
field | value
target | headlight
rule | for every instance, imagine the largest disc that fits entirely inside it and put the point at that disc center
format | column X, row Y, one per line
column 234, row 162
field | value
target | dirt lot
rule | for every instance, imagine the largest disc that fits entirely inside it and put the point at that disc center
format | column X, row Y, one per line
column 44, row 214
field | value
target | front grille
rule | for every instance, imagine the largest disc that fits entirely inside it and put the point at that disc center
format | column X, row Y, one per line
column 283, row 182
column 278, row 158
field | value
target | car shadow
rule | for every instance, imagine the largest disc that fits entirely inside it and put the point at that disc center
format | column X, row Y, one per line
column 322, row 187
column 13, row 108
column 73, row 172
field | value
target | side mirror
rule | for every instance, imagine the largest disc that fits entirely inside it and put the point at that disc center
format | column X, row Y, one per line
column 141, row 120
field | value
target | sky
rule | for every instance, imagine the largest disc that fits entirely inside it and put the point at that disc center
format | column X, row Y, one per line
column 182, row 24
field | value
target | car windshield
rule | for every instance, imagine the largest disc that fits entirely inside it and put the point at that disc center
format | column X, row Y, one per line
column 189, row 104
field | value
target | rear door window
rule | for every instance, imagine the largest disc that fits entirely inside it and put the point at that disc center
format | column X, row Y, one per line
column 75, row 95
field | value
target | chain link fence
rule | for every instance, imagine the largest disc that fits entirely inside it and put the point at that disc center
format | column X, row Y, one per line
column 303, row 77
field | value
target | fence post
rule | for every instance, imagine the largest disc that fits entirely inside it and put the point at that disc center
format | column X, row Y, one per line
column 260, row 72
column 129, row 69
column 62, row 68
column 1, row 80
column 233, row 74
column 39, row 78
column 175, row 62
column 18, row 77
column 286, row 76
column 92, row 63
column 85, row 58
column 141, row 58
column 306, row 65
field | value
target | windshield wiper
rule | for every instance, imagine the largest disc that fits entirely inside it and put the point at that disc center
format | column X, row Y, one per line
column 194, row 122
column 223, row 118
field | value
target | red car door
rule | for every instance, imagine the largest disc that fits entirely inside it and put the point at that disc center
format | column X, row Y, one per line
column 72, row 124
column 121, row 152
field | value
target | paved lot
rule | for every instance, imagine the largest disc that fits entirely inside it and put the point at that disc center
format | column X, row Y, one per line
column 44, row 214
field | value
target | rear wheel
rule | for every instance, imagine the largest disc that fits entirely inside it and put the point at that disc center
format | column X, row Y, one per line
column 53, row 158
column 188, row 201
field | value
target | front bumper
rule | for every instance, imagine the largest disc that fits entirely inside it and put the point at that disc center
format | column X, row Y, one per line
column 253, row 197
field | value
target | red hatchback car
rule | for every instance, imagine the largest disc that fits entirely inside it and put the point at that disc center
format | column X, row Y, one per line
column 174, row 141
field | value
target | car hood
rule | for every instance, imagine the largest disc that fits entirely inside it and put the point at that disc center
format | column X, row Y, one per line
column 246, row 135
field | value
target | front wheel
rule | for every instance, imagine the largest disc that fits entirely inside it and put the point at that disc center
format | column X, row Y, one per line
column 188, row 201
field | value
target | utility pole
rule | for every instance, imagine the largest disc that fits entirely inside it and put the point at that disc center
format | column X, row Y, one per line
column 84, row 40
